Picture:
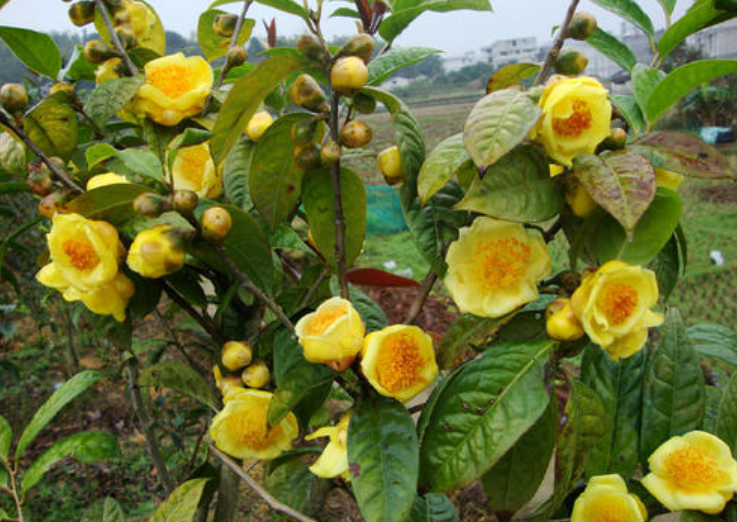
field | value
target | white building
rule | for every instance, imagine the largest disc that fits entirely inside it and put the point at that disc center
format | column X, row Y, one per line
column 719, row 41
column 514, row 50
column 459, row 61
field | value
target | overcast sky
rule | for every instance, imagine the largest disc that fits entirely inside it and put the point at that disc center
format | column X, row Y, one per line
column 453, row 33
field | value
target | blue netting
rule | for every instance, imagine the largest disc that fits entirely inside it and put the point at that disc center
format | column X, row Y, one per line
column 384, row 212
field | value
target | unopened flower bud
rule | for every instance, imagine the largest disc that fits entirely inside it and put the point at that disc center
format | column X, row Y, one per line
column 330, row 152
column 224, row 25
column 258, row 124
column 389, row 163
column 185, row 201
column 578, row 198
column 560, row 321
column 126, row 36
column 237, row 56
column 307, row 93
column 571, row 62
column 63, row 87
column 310, row 46
column 236, row 354
column 361, row 45
column 307, row 156
column 82, row 13
column 355, row 134
column 256, row 375
column 151, row 205
column 349, row 75
column 216, row 223
column 582, row 26
column 96, row 51
column 157, row 251
column 13, row 97
column 51, row 203
column 40, row 182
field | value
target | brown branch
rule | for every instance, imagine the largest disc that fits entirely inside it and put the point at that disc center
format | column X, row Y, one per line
column 114, row 38
column 205, row 322
column 338, row 202
column 13, row 490
column 55, row 169
column 550, row 233
column 314, row 288
column 558, row 44
column 277, row 506
column 424, row 293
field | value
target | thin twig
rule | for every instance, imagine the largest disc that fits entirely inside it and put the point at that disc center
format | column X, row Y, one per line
column 550, row 233
column 196, row 450
column 173, row 340
column 14, row 490
column 558, row 45
column 338, row 202
column 277, row 506
column 424, row 293
column 55, row 169
column 314, row 288
column 114, row 38
column 205, row 322
column 144, row 420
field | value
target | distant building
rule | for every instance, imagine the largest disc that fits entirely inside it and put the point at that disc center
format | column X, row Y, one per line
column 514, row 50
column 717, row 42
column 396, row 81
column 459, row 61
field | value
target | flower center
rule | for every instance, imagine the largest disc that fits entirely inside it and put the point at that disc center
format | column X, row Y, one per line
column 575, row 124
column 171, row 80
column 619, row 302
column 81, row 254
column 399, row 362
column 253, row 431
column 609, row 512
column 193, row 162
column 692, row 468
column 324, row 320
column 502, row 262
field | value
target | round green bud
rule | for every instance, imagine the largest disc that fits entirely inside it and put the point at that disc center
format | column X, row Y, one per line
column 355, row 134
column 216, row 223
column 307, row 156
column 571, row 62
column 13, row 97
column 237, row 56
column 96, row 51
column 82, row 13
column 582, row 26
column 307, row 93
column 330, row 152
column 185, row 201
column 309, row 46
column 361, row 45
column 151, row 205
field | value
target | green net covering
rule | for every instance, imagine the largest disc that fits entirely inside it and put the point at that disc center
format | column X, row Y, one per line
column 384, row 212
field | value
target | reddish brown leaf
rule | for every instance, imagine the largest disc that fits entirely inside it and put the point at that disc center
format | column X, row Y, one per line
column 375, row 277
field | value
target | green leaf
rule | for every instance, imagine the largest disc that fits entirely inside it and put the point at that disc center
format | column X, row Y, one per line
column 181, row 378
column 727, row 416
column 8, row 241
column 104, row 510
column 37, row 51
column 518, row 187
column 673, row 389
column 511, row 75
column 13, row 155
column 482, row 412
column 668, row 5
column 14, row 187
column 644, row 81
column 685, row 154
column 466, row 330
column 714, row 340
column 235, row 174
column 53, row 127
column 86, row 447
column 515, row 479
column 385, row 65
column 112, row 203
column 702, row 14
column 433, row 507
column 682, row 81
column 371, row 313
column 142, row 162
column 441, row 164
column 181, row 504
column 630, row 110
column 289, row 480
column 346, row 12
column 318, row 199
column 98, row 153
column 275, row 180
column 383, row 459
column 667, row 268
column 622, row 183
column 652, row 233
column 435, row 224
column 497, row 124
column 612, row 48
column 244, row 99
column 630, row 11
column 297, row 383
column 6, row 438
column 287, row 6
column 212, row 44
column 66, row 393
column 78, row 67
column 619, row 386
column 110, row 96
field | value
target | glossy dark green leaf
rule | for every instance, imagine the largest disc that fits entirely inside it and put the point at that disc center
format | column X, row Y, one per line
column 110, row 96
column 52, row 126
column 181, row 378
column 141, row 162
column 701, row 14
column 726, row 427
column 37, row 51
column 651, row 234
column 289, row 480
column 511, row 75
column 66, row 393
column 319, row 201
column 518, row 188
column 385, row 65
column 714, row 340
column 667, row 268
column 685, row 154
column 235, row 174
column 212, row 44
column 613, row 49
column 631, row 11
column 441, row 164
column 244, row 99
column 383, row 459
column 112, row 203
column 673, row 388
column 287, row 6
column 644, row 81
column 466, row 330
column 630, row 111
column 619, row 386
column 433, row 507
column 371, row 313
column 181, row 505
column 482, row 412
column 6, row 438
column 98, row 153
column 668, row 5
column 515, row 479
column 86, row 447
column 297, row 383
column 497, row 124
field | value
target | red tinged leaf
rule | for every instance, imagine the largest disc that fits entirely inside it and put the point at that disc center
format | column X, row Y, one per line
column 375, row 277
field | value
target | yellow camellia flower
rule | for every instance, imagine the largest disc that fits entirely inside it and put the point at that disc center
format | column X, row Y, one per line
column 156, row 252
column 494, row 267
column 399, row 361
column 103, row 180
column 176, row 87
column 606, row 499
column 106, row 70
column 193, row 169
column 613, row 304
column 332, row 332
column 333, row 462
column 695, row 471
column 576, row 118
column 668, row 179
column 242, row 431
column 84, row 252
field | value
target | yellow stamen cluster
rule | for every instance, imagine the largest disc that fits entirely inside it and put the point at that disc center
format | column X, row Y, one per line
column 399, row 363
column 503, row 262
column 172, row 80
column 692, row 467
column 81, row 254
column 619, row 302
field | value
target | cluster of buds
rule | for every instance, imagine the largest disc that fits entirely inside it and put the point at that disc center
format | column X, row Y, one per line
column 571, row 62
column 237, row 357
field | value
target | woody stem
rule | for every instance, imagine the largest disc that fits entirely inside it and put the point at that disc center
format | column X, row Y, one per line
column 114, row 37
column 338, row 201
column 558, row 44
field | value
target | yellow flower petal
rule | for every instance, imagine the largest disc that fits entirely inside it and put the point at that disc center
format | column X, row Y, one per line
column 606, row 499
column 103, row 180
column 156, row 252
column 193, row 169
column 331, row 333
